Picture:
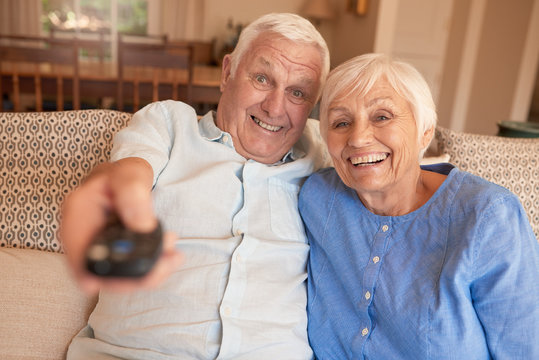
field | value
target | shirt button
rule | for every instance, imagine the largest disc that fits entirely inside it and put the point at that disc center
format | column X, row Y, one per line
column 385, row 228
column 364, row 332
column 375, row 259
column 367, row 295
column 227, row 311
column 239, row 232
column 225, row 139
column 239, row 258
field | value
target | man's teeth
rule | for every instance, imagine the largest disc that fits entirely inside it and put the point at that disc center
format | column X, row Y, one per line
column 368, row 159
column 266, row 126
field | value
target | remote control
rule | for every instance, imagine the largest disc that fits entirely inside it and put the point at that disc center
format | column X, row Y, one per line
column 119, row 252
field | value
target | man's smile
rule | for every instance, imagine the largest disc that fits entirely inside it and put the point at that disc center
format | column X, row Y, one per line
column 265, row 125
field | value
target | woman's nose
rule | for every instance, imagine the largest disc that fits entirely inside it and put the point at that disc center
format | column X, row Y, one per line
column 361, row 134
column 274, row 103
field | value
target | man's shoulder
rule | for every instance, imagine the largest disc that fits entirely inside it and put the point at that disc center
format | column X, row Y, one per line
column 313, row 144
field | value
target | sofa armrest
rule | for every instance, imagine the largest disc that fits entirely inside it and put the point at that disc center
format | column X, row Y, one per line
column 41, row 307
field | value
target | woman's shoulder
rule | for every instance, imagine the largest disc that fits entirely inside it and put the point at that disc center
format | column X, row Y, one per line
column 469, row 192
column 323, row 179
column 320, row 186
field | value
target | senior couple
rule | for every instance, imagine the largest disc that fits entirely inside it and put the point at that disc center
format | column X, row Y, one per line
column 406, row 262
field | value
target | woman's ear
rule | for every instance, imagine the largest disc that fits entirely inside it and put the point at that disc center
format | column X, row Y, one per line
column 425, row 140
column 225, row 71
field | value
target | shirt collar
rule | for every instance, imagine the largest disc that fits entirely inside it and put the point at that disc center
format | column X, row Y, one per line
column 210, row 131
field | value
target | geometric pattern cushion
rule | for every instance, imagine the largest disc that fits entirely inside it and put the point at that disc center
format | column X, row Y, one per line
column 43, row 156
column 510, row 162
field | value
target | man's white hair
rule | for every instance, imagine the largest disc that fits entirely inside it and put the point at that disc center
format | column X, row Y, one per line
column 289, row 26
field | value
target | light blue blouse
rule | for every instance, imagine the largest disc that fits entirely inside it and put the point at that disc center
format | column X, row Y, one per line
column 456, row 279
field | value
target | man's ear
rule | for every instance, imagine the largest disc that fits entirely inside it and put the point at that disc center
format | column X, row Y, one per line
column 225, row 71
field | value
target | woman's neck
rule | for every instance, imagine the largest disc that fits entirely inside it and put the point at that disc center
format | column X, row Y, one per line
column 405, row 197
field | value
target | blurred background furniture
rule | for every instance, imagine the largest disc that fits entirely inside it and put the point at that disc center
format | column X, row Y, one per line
column 182, row 70
column 520, row 129
column 157, row 64
column 28, row 61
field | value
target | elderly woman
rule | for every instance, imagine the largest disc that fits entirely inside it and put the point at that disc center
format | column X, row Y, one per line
column 410, row 261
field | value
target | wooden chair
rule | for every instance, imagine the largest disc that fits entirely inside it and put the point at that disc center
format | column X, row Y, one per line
column 161, row 65
column 91, row 45
column 41, row 59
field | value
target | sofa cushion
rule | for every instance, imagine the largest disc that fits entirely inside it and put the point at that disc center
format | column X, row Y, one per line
column 43, row 156
column 510, row 162
column 41, row 307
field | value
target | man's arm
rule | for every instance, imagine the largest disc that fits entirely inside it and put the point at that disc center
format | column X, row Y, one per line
column 122, row 187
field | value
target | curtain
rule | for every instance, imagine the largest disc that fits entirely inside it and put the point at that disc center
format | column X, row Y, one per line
column 179, row 19
column 21, row 17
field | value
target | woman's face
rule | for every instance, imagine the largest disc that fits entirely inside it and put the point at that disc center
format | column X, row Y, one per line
column 373, row 141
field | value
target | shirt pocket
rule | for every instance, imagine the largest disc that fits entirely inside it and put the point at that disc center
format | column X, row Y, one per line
column 285, row 220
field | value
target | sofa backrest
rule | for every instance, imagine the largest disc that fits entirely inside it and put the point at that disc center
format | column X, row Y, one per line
column 510, row 162
column 43, row 156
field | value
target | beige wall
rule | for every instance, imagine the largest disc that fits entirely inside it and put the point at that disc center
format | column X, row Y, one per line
column 452, row 66
column 352, row 35
column 347, row 35
column 497, row 66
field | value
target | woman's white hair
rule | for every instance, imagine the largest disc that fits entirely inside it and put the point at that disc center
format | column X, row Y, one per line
column 359, row 74
column 290, row 26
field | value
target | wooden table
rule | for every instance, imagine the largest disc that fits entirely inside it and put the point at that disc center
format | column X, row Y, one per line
column 98, row 80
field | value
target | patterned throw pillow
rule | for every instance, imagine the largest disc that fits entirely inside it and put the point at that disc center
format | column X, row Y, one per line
column 43, row 156
column 510, row 162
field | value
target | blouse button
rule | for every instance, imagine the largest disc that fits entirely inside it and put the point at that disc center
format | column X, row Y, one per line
column 385, row 228
column 367, row 295
column 364, row 332
column 375, row 259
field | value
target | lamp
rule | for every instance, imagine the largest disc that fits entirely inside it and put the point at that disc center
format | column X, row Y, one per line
column 318, row 10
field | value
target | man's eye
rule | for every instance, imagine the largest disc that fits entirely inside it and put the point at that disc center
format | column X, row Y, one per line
column 261, row 79
column 298, row 94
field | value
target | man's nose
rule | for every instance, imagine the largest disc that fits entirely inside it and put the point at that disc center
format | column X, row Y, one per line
column 274, row 102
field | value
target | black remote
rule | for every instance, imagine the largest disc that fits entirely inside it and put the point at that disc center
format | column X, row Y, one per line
column 119, row 252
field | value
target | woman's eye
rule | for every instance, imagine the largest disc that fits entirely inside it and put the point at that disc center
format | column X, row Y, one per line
column 340, row 124
column 382, row 117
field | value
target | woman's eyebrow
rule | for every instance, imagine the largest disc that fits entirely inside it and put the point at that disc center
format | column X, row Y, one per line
column 378, row 100
column 340, row 109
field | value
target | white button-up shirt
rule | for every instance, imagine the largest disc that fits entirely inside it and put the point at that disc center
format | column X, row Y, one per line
column 241, row 292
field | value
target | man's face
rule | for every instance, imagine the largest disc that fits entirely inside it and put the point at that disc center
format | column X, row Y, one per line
column 265, row 104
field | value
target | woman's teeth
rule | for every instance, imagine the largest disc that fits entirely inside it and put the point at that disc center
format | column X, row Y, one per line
column 368, row 159
column 266, row 126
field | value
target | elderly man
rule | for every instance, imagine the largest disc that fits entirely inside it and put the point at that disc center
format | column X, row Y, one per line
column 227, row 187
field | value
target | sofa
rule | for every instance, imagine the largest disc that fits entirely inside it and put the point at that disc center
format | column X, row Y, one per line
column 43, row 156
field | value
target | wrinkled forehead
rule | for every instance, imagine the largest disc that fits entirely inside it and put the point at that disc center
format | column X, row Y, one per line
column 273, row 51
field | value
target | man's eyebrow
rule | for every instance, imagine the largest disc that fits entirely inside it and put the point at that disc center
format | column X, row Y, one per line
column 265, row 62
column 303, row 80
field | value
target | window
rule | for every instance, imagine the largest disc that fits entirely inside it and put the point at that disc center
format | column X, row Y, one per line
column 126, row 16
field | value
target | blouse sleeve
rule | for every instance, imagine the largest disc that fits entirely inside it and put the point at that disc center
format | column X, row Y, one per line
column 505, row 283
